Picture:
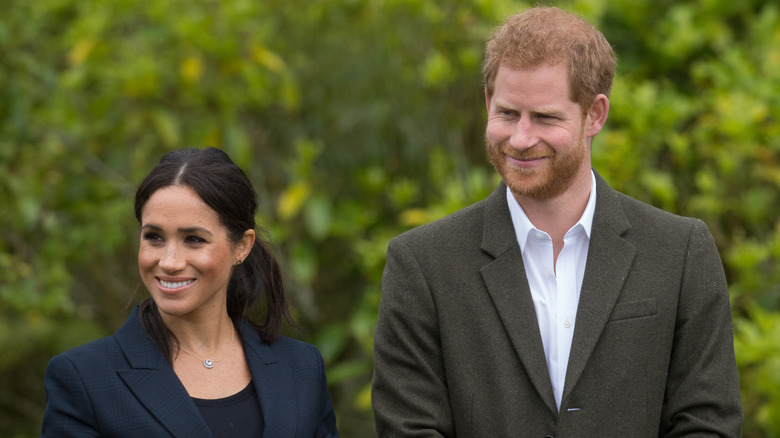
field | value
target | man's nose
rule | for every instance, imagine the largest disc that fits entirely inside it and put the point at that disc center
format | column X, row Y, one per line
column 524, row 135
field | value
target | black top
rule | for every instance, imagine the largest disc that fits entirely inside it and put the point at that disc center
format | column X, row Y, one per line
column 235, row 416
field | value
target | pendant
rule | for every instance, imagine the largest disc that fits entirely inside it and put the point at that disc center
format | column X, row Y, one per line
column 208, row 363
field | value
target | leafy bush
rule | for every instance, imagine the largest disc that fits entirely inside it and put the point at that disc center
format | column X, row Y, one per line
column 355, row 120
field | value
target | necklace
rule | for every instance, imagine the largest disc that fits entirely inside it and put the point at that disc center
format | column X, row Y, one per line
column 209, row 363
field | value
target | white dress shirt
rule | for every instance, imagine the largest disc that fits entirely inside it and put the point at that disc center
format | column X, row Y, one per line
column 556, row 292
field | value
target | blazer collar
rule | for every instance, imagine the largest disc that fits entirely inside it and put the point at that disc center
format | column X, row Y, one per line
column 609, row 260
column 272, row 383
column 154, row 383
column 498, row 235
column 507, row 285
column 497, row 222
column 610, row 257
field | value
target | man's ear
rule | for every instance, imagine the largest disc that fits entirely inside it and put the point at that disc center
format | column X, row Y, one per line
column 597, row 115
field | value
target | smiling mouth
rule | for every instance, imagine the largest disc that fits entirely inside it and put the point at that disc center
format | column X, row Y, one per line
column 174, row 284
column 524, row 162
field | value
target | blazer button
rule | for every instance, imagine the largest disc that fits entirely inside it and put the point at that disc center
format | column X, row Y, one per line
column 548, row 436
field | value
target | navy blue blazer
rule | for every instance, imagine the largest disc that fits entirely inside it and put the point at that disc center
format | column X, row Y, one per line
column 122, row 386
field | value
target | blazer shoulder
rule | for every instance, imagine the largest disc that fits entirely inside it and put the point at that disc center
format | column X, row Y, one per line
column 127, row 347
column 648, row 215
column 92, row 361
column 650, row 227
column 296, row 350
column 91, row 350
column 292, row 353
column 621, row 212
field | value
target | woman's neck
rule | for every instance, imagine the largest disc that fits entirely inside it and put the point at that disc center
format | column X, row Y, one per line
column 206, row 334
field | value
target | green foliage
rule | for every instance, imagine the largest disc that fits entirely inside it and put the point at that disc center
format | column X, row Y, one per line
column 356, row 120
column 758, row 357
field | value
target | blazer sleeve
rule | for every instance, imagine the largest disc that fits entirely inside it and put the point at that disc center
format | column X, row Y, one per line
column 327, row 418
column 69, row 411
column 702, row 390
column 409, row 390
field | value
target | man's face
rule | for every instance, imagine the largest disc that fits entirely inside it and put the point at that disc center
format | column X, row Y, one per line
column 535, row 134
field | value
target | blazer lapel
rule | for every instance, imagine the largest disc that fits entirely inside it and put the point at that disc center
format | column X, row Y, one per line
column 609, row 261
column 507, row 284
column 274, row 388
column 154, row 383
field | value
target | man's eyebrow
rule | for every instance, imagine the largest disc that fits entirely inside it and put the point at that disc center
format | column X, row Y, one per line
column 549, row 111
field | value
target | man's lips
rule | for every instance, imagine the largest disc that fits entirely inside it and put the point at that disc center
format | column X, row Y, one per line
column 525, row 161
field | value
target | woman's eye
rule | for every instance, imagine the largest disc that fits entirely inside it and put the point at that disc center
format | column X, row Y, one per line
column 152, row 237
column 195, row 240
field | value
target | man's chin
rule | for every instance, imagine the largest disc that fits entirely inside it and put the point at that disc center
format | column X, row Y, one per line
column 536, row 187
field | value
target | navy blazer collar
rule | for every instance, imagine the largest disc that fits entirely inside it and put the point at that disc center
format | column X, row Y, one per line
column 154, row 383
column 272, row 384
column 152, row 380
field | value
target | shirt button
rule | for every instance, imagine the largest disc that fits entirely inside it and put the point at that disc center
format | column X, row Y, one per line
column 539, row 236
column 567, row 323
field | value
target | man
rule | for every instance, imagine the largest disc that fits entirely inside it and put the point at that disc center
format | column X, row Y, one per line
column 556, row 306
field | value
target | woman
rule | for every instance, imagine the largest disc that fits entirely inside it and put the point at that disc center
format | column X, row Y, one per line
column 188, row 362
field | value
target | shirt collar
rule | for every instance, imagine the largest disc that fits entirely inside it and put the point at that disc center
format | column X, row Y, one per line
column 523, row 225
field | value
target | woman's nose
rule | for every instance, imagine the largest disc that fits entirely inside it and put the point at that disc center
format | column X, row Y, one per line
column 172, row 259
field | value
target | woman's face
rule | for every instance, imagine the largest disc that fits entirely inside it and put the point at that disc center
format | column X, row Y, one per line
column 185, row 257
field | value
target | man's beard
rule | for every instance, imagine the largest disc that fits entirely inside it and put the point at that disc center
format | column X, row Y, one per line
column 540, row 183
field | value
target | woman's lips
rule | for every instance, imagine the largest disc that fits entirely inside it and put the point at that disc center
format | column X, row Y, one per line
column 173, row 285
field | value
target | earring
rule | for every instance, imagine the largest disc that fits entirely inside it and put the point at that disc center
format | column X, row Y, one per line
column 239, row 261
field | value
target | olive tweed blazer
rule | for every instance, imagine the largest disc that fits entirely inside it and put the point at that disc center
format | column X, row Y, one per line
column 458, row 351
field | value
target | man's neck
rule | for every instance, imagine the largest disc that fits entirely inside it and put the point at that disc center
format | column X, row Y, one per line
column 556, row 216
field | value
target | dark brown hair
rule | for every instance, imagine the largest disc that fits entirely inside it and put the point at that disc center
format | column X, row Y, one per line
column 224, row 187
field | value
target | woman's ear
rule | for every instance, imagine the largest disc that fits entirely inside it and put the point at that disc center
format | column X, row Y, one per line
column 244, row 246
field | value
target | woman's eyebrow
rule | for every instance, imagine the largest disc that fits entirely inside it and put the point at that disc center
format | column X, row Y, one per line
column 180, row 230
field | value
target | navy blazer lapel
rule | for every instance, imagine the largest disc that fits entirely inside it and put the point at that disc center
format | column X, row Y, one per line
column 270, row 383
column 154, row 383
column 507, row 284
column 609, row 261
